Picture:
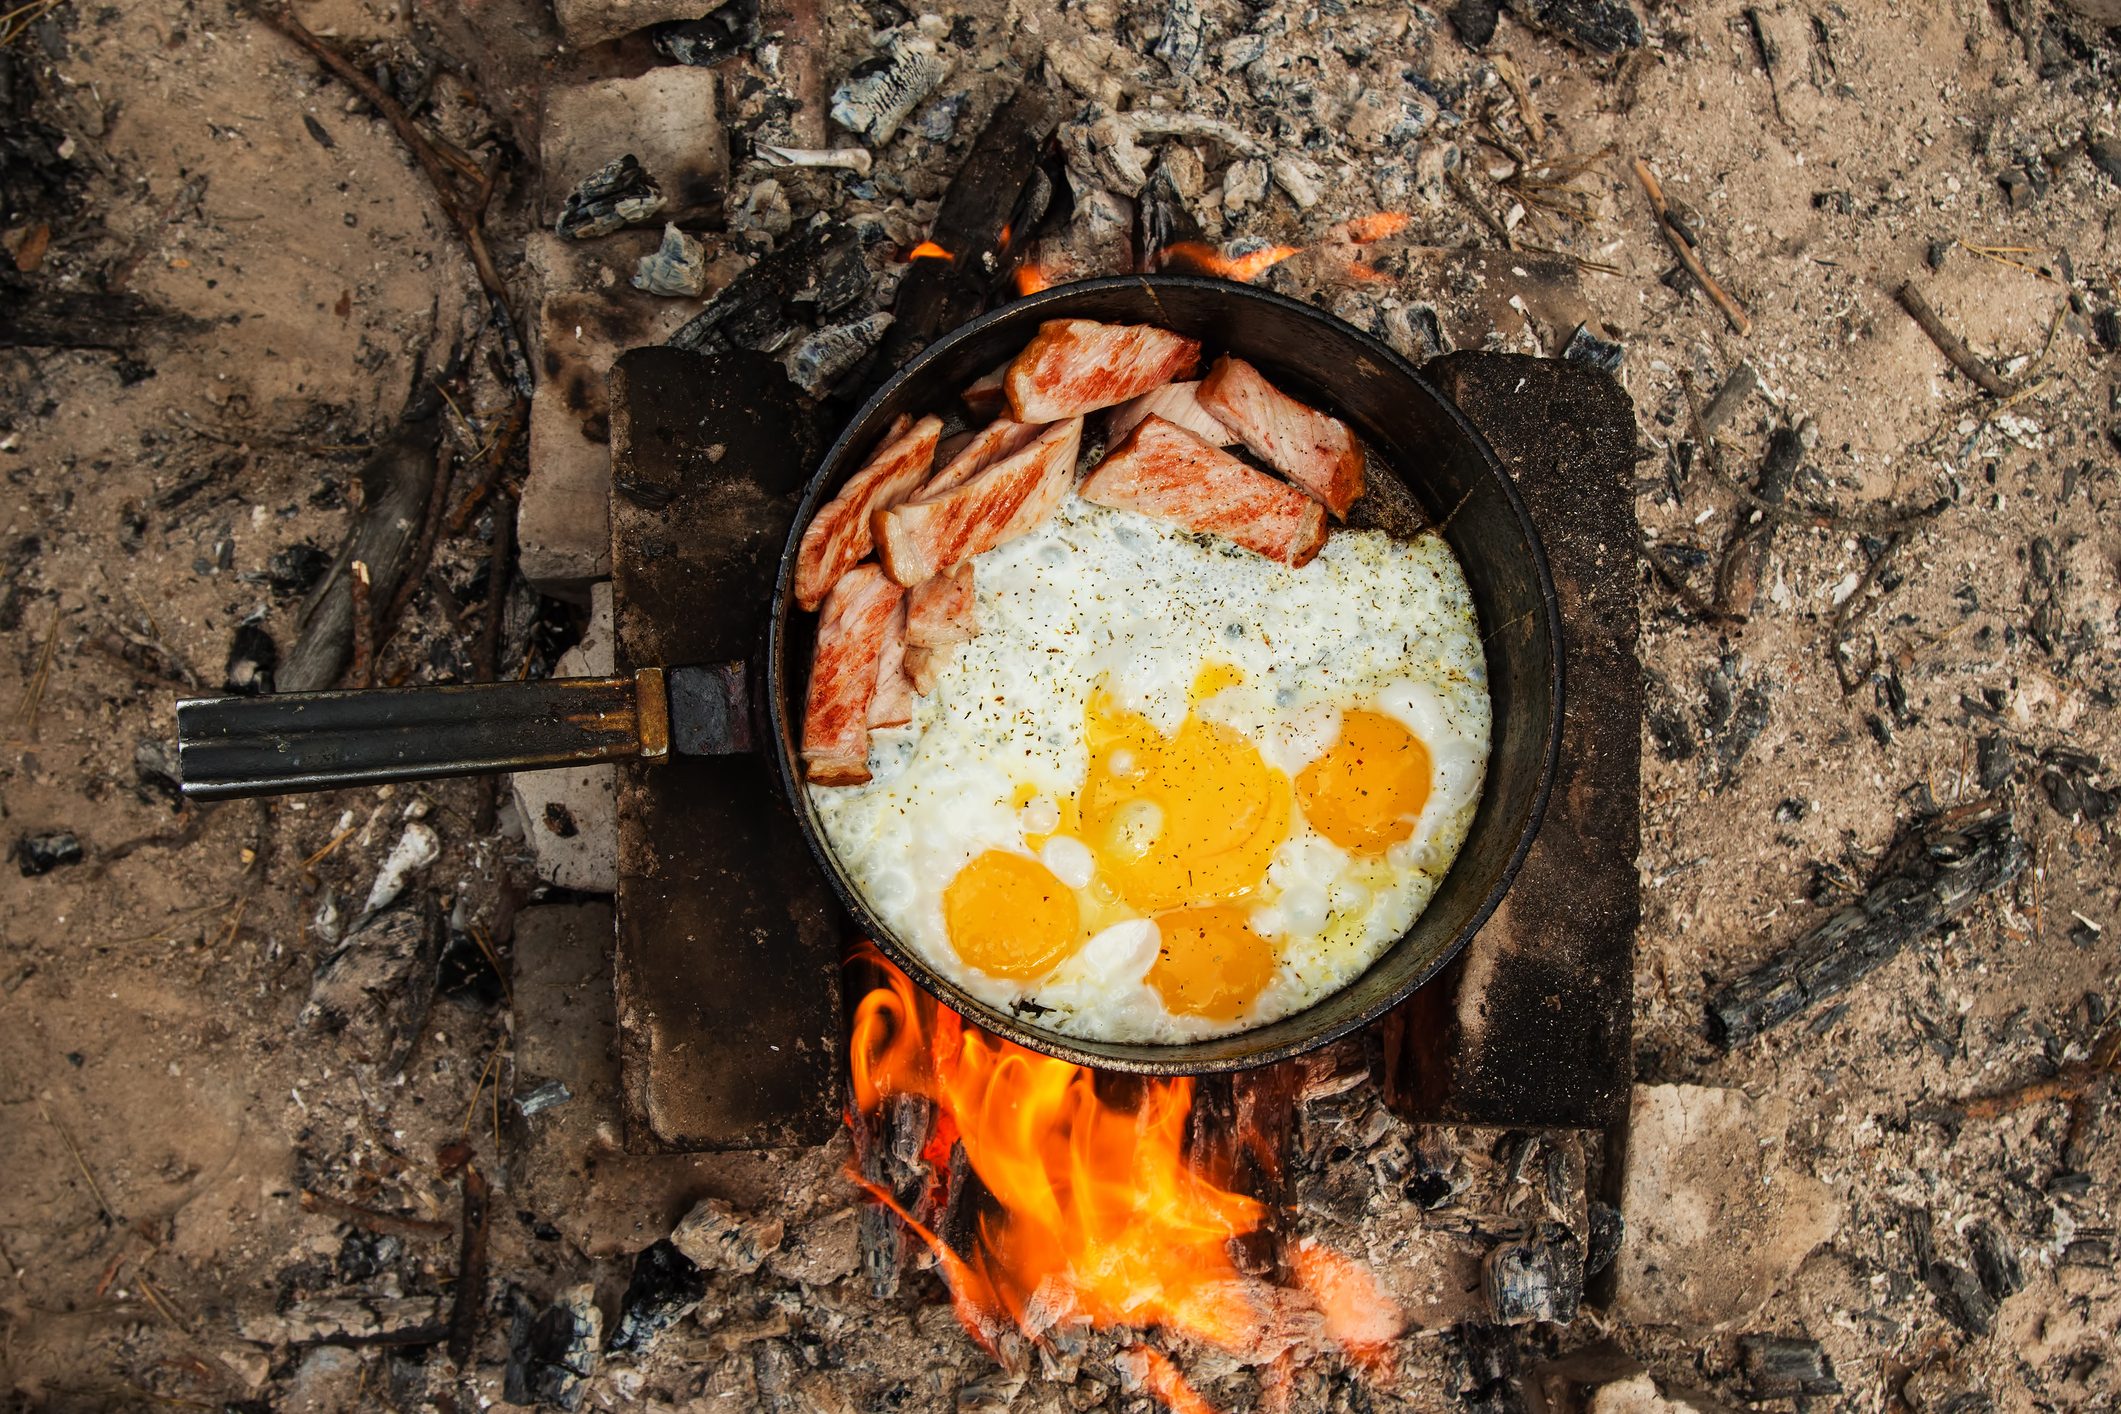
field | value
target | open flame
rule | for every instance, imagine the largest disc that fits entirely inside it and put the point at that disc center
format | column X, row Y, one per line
column 928, row 250
column 1092, row 1210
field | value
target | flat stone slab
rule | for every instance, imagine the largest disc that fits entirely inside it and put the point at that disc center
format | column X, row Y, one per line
column 669, row 119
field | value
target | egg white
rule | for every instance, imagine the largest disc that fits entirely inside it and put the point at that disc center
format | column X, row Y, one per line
column 1100, row 595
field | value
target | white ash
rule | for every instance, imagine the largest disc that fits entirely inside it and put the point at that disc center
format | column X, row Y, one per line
column 819, row 361
column 883, row 93
column 678, row 267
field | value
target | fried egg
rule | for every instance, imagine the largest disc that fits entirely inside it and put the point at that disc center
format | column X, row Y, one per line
column 1175, row 790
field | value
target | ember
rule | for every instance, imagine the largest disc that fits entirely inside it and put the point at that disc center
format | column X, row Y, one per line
column 1095, row 1212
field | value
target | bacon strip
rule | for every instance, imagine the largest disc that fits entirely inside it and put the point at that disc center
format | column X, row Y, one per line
column 998, row 439
column 1074, row 366
column 851, row 633
column 892, row 706
column 985, row 398
column 840, row 534
column 931, row 534
column 922, row 665
column 1165, row 471
column 1174, row 402
column 942, row 610
column 1312, row 449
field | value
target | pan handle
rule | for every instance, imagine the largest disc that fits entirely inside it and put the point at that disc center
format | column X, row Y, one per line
column 300, row 741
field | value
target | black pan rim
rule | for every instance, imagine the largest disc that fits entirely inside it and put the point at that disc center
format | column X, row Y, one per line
column 1152, row 1061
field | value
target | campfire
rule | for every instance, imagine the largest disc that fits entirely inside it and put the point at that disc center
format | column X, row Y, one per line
column 1060, row 1204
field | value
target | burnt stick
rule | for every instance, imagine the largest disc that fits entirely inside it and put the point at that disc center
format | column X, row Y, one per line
column 1941, row 868
column 1745, row 557
column 1949, row 344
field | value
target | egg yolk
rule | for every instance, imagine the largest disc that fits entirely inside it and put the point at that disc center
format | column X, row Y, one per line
column 1209, row 962
column 1009, row 917
column 1364, row 793
column 1193, row 818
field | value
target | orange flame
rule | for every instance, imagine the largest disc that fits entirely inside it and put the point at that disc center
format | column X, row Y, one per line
column 1363, row 230
column 928, row 250
column 1155, row 1373
column 1210, row 261
column 1097, row 1213
column 1030, row 279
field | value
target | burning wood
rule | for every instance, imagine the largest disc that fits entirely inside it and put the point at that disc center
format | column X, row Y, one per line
column 1087, row 1209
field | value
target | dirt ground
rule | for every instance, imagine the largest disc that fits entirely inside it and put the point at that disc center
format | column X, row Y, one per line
column 164, row 1105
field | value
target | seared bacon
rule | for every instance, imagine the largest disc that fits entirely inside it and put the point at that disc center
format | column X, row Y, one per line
column 942, row 610
column 985, row 398
column 893, row 704
column 840, row 534
column 851, row 633
column 1074, row 366
column 998, row 439
column 931, row 534
column 922, row 665
column 1312, row 449
column 1163, row 470
column 1174, row 402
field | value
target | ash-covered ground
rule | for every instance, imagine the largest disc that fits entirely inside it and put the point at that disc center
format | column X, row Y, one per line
column 252, row 1056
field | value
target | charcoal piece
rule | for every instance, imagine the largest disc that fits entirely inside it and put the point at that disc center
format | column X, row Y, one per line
column 2106, row 328
column 155, row 773
column 1731, row 395
column 252, row 656
column 1734, row 711
column 664, row 1288
column 2022, row 186
column 1485, row 1366
column 677, row 267
column 1161, row 221
column 465, row 972
column 1745, row 559
column 372, row 993
column 1994, row 1262
column 364, row 1256
column 882, row 92
column 2071, row 780
column 617, row 195
column 1181, row 42
column 1588, row 349
column 1607, row 1230
column 720, row 1238
column 720, row 34
column 816, row 364
column 2106, row 156
column 1940, row 869
column 38, row 315
column 552, row 1353
column 1961, row 1297
column 1597, row 26
column 755, row 310
column 1779, row 1367
column 1539, row 1279
column 1474, row 21
column 296, row 569
column 40, row 854
column 1993, row 763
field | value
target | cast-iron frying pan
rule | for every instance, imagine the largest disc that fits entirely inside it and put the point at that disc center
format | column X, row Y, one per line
column 1430, row 467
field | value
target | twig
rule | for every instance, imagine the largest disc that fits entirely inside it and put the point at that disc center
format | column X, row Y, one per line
column 480, row 1088
column 1471, row 198
column 31, row 702
column 487, row 662
column 328, row 848
column 1668, row 227
column 2072, row 1082
column 415, row 571
column 1745, row 556
column 102, row 1203
column 315, row 1202
column 1513, row 79
column 468, row 1302
column 1693, row 602
column 461, row 215
column 1949, row 344
column 490, row 464
column 363, row 671
column 1854, row 607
